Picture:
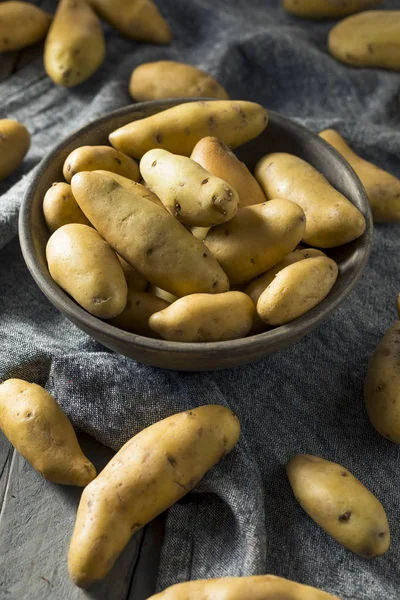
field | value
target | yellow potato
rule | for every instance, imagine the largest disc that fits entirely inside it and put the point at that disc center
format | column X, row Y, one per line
column 256, row 287
column 134, row 280
column 382, row 386
column 297, row 289
column 217, row 158
column 148, row 237
column 382, row 188
column 170, row 298
column 149, row 474
column 139, row 308
column 21, row 24
column 327, row 9
column 331, row 219
column 370, row 39
column 189, row 192
column 340, row 504
column 258, row 587
column 178, row 129
column 137, row 19
column 74, row 47
column 60, row 207
column 257, row 238
column 37, row 427
column 94, row 158
column 170, row 79
column 205, row 318
column 128, row 184
column 14, row 144
column 85, row 266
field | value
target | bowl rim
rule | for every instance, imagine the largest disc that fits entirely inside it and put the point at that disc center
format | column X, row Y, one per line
column 295, row 329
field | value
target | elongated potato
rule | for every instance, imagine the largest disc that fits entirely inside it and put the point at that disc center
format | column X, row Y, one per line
column 382, row 386
column 370, row 39
column 178, row 129
column 60, row 207
column 148, row 237
column 258, row 285
column 94, row 158
column 205, row 318
column 331, row 219
column 128, row 184
column 170, row 298
column 134, row 279
column 139, row 308
column 297, row 289
column 217, row 158
column 74, row 47
column 14, row 144
column 171, row 79
column 189, row 192
column 382, row 188
column 257, row 238
column 149, row 474
column 137, row 19
column 37, row 427
column 85, row 266
column 340, row 504
column 21, row 24
column 327, row 9
column 258, row 587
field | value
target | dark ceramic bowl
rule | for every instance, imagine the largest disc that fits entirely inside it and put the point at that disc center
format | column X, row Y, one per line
column 281, row 135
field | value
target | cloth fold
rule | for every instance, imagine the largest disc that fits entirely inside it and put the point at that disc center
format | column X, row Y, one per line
column 242, row 519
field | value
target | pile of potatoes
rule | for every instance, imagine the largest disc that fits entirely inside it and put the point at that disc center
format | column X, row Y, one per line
column 158, row 258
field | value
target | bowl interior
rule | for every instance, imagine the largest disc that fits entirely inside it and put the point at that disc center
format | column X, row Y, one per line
column 281, row 135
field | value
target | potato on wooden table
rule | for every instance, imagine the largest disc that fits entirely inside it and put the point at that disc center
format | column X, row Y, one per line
column 82, row 263
column 140, row 306
column 178, row 129
column 257, row 587
column 74, row 47
column 149, row 474
column 257, row 238
column 60, row 207
column 382, row 188
column 217, row 158
column 340, row 504
column 370, row 39
column 21, row 24
column 331, row 219
column 148, row 237
column 205, row 318
column 36, row 426
column 137, row 19
column 14, row 144
column 327, row 9
column 171, row 79
column 94, row 158
column 190, row 193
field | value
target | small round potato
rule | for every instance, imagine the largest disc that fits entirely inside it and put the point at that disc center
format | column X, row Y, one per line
column 189, row 192
column 382, row 386
column 134, row 279
column 105, row 158
column 257, row 238
column 14, row 144
column 297, row 289
column 257, row 587
column 217, row 158
column 327, row 9
column 129, row 184
column 205, row 318
column 170, row 79
column 139, row 308
column 36, row 426
column 340, row 504
column 87, row 268
column 21, row 24
column 60, row 207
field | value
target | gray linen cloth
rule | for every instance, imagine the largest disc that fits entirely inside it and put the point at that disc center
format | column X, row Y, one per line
column 242, row 519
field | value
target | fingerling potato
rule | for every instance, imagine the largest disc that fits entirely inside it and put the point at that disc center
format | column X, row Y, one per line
column 139, row 308
column 14, row 144
column 129, row 184
column 60, row 207
column 21, row 24
column 36, row 426
column 340, row 504
column 94, row 158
